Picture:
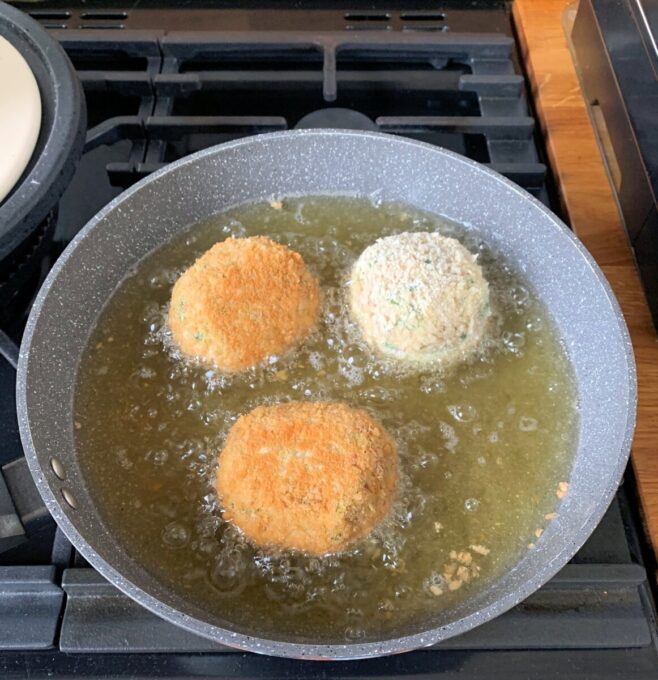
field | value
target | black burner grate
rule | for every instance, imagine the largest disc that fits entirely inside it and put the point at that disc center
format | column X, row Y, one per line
column 170, row 95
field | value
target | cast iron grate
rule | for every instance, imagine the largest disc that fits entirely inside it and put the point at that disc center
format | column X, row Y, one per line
column 170, row 95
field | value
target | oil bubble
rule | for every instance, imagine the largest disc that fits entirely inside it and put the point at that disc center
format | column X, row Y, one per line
column 352, row 633
column 462, row 413
column 175, row 535
column 527, row 424
column 471, row 504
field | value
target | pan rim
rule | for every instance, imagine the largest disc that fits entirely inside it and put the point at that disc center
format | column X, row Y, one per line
column 348, row 651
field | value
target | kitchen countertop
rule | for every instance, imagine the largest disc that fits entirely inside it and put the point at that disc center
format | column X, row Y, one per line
column 590, row 207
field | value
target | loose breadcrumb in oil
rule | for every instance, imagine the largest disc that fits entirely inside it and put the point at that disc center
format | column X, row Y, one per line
column 480, row 549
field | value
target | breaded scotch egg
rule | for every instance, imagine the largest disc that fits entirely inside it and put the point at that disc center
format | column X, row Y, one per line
column 242, row 301
column 420, row 298
column 311, row 476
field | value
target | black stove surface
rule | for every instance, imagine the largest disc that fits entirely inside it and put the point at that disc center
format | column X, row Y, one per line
column 158, row 88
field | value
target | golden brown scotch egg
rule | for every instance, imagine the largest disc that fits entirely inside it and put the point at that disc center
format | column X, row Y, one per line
column 311, row 476
column 242, row 301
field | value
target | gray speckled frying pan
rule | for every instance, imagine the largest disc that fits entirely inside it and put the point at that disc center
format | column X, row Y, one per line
column 327, row 162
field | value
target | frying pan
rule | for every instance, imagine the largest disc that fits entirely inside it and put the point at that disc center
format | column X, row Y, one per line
column 308, row 162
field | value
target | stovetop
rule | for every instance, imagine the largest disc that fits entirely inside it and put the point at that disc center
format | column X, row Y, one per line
column 159, row 88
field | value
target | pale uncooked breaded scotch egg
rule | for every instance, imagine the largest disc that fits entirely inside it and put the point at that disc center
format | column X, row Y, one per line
column 420, row 298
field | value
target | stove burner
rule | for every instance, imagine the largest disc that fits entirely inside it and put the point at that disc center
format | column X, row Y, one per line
column 337, row 118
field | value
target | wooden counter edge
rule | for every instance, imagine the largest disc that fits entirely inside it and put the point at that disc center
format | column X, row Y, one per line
column 589, row 204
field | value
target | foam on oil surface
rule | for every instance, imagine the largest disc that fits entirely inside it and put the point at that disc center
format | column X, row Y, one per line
column 482, row 449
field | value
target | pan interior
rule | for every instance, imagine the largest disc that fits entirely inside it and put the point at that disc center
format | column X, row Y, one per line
column 304, row 163
column 483, row 449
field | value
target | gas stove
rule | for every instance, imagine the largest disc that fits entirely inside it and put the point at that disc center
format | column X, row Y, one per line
column 161, row 83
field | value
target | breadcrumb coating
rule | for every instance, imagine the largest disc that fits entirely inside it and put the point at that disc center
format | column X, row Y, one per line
column 310, row 476
column 420, row 298
column 242, row 301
